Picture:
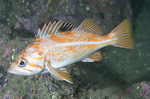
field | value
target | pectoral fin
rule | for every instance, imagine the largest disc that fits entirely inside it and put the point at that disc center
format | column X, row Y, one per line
column 64, row 74
column 60, row 74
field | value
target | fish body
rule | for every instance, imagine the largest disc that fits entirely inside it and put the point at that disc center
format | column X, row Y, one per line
column 53, row 49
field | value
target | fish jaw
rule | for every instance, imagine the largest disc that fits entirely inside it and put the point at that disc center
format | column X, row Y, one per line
column 12, row 71
column 21, row 72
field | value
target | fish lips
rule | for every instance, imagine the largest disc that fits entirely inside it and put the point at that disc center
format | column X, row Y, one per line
column 12, row 71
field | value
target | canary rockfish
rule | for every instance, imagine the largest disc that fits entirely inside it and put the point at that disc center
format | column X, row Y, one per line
column 59, row 44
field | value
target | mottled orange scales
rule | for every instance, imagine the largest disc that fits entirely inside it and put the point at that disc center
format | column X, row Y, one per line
column 38, row 58
column 28, row 70
column 23, row 53
column 34, row 65
column 38, row 40
column 69, row 34
column 34, row 45
column 61, row 39
column 40, row 53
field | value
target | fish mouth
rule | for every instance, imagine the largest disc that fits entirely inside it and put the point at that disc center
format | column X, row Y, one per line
column 16, row 72
column 12, row 71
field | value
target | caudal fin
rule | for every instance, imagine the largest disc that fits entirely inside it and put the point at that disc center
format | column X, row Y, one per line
column 123, row 35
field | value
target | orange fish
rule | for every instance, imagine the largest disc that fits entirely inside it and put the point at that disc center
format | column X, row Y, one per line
column 53, row 49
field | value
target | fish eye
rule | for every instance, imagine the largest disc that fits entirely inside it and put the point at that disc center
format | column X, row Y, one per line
column 22, row 63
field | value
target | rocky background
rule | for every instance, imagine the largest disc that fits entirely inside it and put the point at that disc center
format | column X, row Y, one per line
column 122, row 74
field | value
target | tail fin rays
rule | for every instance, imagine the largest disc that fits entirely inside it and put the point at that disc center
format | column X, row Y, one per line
column 123, row 35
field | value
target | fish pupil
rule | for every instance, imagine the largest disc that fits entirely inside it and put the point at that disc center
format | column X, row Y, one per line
column 22, row 63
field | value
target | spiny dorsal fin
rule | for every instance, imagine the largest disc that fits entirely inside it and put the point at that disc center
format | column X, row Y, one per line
column 89, row 26
column 66, row 27
column 54, row 28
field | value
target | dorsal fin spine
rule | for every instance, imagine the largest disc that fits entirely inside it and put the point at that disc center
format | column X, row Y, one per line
column 42, row 30
column 64, row 24
column 47, row 28
column 38, row 32
column 70, row 25
column 57, row 26
column 54, row 28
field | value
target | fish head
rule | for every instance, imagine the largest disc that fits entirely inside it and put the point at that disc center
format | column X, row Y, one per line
column 27, row 64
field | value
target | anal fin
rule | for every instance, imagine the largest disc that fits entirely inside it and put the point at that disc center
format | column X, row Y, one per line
column 94, row 57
